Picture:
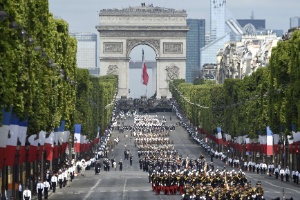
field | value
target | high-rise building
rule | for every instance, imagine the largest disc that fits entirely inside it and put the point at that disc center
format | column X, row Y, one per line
column 195, row 40
column 257, row 23
column 217, row 19
column 87, row 51
column 223, row 28
column 294, row 22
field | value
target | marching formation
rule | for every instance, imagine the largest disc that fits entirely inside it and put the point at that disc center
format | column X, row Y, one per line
column 171, row 173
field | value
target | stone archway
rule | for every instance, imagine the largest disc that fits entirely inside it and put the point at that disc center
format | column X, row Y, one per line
column 163, row 29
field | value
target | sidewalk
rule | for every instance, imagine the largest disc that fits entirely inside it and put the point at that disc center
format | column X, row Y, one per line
column 35, row 197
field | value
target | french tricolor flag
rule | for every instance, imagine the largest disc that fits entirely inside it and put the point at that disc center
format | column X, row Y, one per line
column 12, row 140
column 22, row 138
column 269, row 151
column 49, row 146
column 4, row 129
column 77, row 138
column 219, row 135
column 145, row 76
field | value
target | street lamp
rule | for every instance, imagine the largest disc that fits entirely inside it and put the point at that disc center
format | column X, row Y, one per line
column 280, row 143
column 70, row 143
column 27, row 148
column 297, row 151
column 16, row 169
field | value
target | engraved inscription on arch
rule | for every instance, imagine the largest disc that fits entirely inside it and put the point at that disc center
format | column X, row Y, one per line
column 112, row 47
column 173, row 47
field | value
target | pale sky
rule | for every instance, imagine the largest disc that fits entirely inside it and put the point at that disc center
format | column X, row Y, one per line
column 82, row 15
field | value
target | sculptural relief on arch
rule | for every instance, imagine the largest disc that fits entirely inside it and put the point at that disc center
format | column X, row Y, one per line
column 163, row 29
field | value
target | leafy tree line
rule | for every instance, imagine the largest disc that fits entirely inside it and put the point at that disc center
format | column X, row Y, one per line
column 38, row 74
column 268, row 97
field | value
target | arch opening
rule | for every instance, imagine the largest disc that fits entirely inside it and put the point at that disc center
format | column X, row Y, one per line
column 136, row 86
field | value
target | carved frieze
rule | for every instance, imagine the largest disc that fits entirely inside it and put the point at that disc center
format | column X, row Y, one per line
column 172, row 72
column 112, row 47
column 173, row 48
column 112, row 70
column 143, row 34
column 131, row 43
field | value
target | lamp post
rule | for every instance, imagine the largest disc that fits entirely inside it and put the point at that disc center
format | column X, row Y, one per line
column 70, row 144
column 281, row 155
column 298, row 157
column 27, row 148
column 293, row 156
column 16, row 169
column 75, row 140
column 43, row 158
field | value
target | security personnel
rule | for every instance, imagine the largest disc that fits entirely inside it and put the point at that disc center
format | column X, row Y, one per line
column 287, row 174
column 276, row 171
column 65, row 175
column 20, row 189
column 121, row 165
column 281, row 172
column 60, row 179
column 54, row 182
column 131, row 160
column 46, row 188
column 40, row 190
column 27, row 194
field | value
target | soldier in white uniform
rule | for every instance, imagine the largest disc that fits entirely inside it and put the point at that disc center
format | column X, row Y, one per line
column 54, row 182
column 46, row 188
column 294, row 176
column 64, row 174
column 60, row 179
column 27, row 194
column 287, row 174
column 83, row 166
column 40, row 190
column 276, row 171
column 281, row 172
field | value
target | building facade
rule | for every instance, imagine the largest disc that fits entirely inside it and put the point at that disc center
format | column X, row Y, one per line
column 294, row 22
column 239, row 59
column 195, row 40
column 87, row 51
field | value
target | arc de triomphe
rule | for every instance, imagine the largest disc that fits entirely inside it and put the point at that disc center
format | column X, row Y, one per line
column 162, row 29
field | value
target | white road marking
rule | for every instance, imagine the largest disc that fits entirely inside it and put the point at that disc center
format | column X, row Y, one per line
column 125, row 185
column 276, row 185
column 91, row 190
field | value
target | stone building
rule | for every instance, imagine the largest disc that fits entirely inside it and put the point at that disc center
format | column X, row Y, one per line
column 239, row 59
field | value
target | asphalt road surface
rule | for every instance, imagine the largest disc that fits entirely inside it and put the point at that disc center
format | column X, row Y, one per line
column 132, row 183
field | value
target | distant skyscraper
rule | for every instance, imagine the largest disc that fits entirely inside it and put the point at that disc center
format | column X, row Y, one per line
column 195, row 40
column 257, row 23
column 223, row 28
column 217, row 19
column 87, row 51
column 294, row 22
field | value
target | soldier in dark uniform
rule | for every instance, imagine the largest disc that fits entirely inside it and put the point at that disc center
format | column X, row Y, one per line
column 121, row 165
column 131, row 160
column 141, row 163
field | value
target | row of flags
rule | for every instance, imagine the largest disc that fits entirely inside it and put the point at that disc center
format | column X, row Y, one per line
column 267, row 144
column 13, row 133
